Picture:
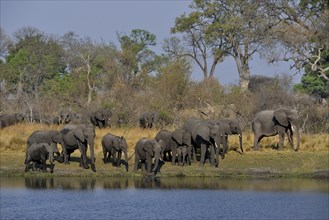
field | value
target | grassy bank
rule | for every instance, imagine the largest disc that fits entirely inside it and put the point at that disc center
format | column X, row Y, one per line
column 312, row 160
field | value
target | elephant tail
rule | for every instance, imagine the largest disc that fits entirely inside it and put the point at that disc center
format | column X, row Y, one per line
column 131, row 156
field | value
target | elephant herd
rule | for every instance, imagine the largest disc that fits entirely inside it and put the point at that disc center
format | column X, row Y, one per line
column 196, row 140
column 98, row 118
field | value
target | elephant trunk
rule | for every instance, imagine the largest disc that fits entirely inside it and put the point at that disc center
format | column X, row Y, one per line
column 92, row 156
column 126, row 159
column 295, row 129
column 155, row 168
column 240, row 139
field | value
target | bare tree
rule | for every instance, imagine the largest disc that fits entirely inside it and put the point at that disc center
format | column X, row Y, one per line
column 300, row 34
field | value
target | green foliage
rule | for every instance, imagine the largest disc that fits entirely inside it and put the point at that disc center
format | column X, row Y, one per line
column 312, row 83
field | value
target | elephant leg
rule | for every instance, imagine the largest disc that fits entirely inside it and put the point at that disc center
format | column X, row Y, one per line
column 66, row 157
column 257, row 139
column 136, row 164
column 119, row 158
column 281, row 140
column 44, row 168
column 217, row 156
column 194, row 153
column 203, row 154
column 173, row 157
column 290, row 137
column 52, row 165
column 83, row 151
column 212, row 156
column 104, row 154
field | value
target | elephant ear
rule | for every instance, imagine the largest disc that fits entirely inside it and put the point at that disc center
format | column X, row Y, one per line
column 148, row 147
column 57, row 138
column 177, row 135
column 78, row 133
column 281, row 116
column 98, row 115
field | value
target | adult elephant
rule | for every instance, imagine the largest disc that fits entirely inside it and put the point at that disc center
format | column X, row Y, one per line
column 148, row 119
column 206, row 135
column 10, row 119
column 100, row 118
column 113, row 146
column 78, row 137
column 176, row 143
column 51, row 137
column 145, row 151
column 272, row 122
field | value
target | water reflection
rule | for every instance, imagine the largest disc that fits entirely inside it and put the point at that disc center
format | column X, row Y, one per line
column 78, row 183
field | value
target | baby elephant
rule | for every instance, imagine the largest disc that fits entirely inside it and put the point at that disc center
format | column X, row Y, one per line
column 113, row 146
column 40, row 152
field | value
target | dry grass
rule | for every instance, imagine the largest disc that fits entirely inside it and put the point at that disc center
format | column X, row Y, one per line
column 312, row 156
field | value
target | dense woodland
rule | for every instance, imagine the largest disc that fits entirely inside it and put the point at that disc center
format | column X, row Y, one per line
column 45, row 73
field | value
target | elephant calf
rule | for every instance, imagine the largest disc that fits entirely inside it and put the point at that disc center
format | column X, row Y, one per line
column 40, row 152
column 113, row 146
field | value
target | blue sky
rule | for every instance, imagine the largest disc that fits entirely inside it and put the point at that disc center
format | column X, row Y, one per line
column 103, row 19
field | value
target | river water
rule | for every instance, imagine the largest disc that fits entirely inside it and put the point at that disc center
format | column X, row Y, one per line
column 162, row 198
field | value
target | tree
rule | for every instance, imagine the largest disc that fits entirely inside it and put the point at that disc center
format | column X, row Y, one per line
column 225, row 27
column 135, row 57
column 82, row 56
column 5, row 41
column 301, row 34
column 33, row 58
column 312, row 83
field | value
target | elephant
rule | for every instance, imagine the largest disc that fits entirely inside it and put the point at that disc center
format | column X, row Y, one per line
column 112, row 145
column 148, row 119
column 51, row 137
column 145, row 151
column 10, row 119
column 66, row 117
column 100, row 118
column 230, row 127
column 235, row 129
column 206, row 135
column 272, row 122
column 78, row 137
column 40, row 152
column 176, row 143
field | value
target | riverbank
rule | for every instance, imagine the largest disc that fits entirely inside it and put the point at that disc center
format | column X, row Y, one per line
column 311, row 161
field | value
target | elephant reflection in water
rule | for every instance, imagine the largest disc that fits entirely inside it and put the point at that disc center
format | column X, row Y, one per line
column 34, row 182
column 147, row 183
column 118, row 183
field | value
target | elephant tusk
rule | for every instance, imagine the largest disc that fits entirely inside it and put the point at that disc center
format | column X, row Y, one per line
column 293, row 128
column 216, row 145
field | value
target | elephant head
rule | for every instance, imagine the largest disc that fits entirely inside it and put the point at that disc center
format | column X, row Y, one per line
column 289, row 120
column 51, row 149
column 154, row 148
column 234, row 128
column 100, row 118
column 217, row 136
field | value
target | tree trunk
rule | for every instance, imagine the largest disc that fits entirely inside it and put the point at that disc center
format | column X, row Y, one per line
column 244, row 72
column 90, row 88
